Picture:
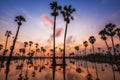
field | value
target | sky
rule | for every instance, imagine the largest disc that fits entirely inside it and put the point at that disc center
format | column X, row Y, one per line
column 90, row 17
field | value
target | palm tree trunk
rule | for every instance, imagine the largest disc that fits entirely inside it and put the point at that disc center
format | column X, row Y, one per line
column 113, row 48
column 12, row 48
column 64, row 71
column 107, row 44
column 54, row 61
column 110, row 59
column 5, row 45
column 65, row 44
column 86, row 61
column 95, row 61
column 54, row 67
column 119, row 37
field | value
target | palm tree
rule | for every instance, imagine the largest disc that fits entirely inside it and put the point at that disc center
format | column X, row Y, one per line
column 22, row 50
column 66, row 13
column 30, row 44
column 77, row 49
column 19, row 19
column 99, row 50
column 92, row 41
column 103, row 36
column 43, row 50
column 7, row 34
column 1, row 46
column 55, row 8
column 36, row 46
column 89, row 76
column 25, row 45
column 85, row 43
column 118, row 32
column 110, row 31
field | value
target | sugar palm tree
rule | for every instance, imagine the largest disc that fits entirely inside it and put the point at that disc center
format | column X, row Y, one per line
column 1, row 46
column 25, row 45
column 43, row 50
column 7, row 34
column 118, row 32
column 22, row 50
column 92, row 41
column 30, row 44
column 76, row 49
column 110, row 31
column 19, row 19
column 67, row 16
column 55, row 8
column 89, row 76
column 36, row 46
column 85, row 43
column 102, row 33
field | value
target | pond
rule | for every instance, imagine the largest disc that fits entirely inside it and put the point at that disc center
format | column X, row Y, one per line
column 42, row 69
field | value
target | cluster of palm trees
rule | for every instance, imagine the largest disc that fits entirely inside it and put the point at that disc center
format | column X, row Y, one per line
column 66, row 12
column 110, row 30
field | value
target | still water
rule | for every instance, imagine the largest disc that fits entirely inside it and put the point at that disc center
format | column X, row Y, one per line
column 41, row 69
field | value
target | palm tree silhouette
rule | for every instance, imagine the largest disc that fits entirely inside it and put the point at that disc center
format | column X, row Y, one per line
column 77, row 49
column 103, row 36
column 36, row 46
column 55, row 8
column 110, row 31
column 7, row 34
column 89, row 76
column 19, row 20
column 1, row 46
column 92, row 41
column 30, row 44
column 25, row 45
column 43, row 51
column 22, row 50
column 66, row 13
column 118, row 32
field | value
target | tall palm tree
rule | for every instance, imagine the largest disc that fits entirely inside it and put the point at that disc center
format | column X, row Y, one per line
column 67, row 15
column 7, row 34
column 30, row 44
column 110, row 31
column 85, row 43
column 102, row 33
column 55, row 8
column 1, row 46
column 19, row 19
column 89, row 76
column 118, row 32
column 92, row 41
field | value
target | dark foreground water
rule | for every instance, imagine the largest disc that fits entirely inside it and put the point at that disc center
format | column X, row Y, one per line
column 41, row 69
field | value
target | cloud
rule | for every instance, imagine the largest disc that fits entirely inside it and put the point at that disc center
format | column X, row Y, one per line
column 70, row 40
column 47, row 21
column 58, row 33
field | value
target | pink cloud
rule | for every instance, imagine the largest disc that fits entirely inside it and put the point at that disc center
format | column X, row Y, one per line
column 57, row 34
column 47, row 19
column 70, row 40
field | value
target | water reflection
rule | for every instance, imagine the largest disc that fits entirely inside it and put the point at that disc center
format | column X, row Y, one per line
column 42, row 69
